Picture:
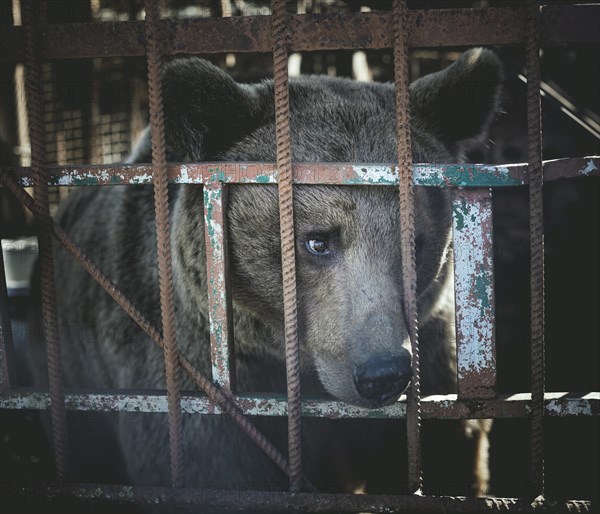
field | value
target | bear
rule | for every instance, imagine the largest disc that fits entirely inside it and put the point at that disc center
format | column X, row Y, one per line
column 353, row 337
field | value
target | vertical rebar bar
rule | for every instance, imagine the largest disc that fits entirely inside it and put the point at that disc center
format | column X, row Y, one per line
column 163, row 237
column 536, row 227
column 288, row 254
column 35, row 115
column 400, row 16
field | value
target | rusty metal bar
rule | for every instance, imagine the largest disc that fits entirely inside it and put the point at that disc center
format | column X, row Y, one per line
column 536, row 229
column 561, row 404
column 373, row 30
column 163, row 242
column 218, row 396
column 219, row 301
column 433, row 175
column 275, row 501
column 474, row 292
column 407, row 236
column 35, row 115
column 7, row 368
column 288, row 241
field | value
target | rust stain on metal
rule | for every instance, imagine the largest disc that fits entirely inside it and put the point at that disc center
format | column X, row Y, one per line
column 372, row 30
column 474, row 292
column 432, row 175
column 275, row 501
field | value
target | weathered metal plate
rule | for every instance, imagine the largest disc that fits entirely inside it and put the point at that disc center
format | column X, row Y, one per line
column 218, row 309
column 474, row 292
column 434, row 175
column 438, row 406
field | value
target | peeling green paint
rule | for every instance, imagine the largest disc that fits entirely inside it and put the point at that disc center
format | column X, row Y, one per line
column 460, row 211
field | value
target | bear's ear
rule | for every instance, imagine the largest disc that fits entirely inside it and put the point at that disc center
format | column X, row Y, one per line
column 206, row 111
column 459, row 102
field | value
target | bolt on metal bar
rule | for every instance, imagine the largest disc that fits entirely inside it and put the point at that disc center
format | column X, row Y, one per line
column 407, row 237
column 474, row 292
column 35, row 115
column 288, row 255
column 536, row 227
column 218, row 396
column 219, row 301
column 163, row 237
column 7, row 369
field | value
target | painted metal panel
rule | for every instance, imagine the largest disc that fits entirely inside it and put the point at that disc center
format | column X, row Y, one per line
column 474, row 292
column 218, row 297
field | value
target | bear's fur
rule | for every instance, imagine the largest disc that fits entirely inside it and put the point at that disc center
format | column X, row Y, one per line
column 349, row 301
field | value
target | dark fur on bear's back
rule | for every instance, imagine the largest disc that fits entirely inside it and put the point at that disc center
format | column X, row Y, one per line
column 350, row 304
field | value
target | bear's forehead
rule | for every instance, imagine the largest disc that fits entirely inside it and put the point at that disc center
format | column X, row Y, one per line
column 336, row 120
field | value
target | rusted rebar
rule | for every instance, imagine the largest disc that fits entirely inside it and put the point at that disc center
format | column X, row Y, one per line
column 35, row 115
column 536, row 227
column 163, row 241
column 288, row 255
column 407, row 236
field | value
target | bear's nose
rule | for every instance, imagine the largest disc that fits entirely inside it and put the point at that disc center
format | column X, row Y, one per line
column 383, row 378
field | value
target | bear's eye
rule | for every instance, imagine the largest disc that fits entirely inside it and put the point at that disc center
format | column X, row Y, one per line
column 317, row 246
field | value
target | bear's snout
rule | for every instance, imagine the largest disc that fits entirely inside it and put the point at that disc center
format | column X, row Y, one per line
column 383, row 378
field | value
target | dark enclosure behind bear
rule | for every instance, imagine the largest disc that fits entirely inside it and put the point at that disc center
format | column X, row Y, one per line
column 353, row 336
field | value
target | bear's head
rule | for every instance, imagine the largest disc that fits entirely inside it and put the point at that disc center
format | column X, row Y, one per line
column 350, row 293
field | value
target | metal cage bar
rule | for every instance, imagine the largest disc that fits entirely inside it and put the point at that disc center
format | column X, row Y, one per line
column 274, row 501
column 163, row 241
column 407, row 237
column 348, row 31
column 288, row 240
column 560, row 404
column 35, row 115
column 430, row 175
column 219, row 301
column 536, row 228
column 474, row 292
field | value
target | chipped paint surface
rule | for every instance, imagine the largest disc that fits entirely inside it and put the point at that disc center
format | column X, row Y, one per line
column 435, row 406
column 590, row 167
column 474, row 292
column 434, row 175
column 214, row 223
column 374, row 174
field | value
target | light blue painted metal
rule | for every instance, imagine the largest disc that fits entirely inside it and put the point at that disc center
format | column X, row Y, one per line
column 218, row 297
column 474, row 292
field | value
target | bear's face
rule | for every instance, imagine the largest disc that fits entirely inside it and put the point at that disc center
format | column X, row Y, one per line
column 352, row 326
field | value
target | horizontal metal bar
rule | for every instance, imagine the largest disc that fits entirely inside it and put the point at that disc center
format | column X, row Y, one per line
column 436, row 406
column 328, row 31
column 276, row 501
column 473, row 248
column 437, row 175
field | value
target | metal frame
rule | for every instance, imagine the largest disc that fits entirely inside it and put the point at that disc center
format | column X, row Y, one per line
column 473, row 238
